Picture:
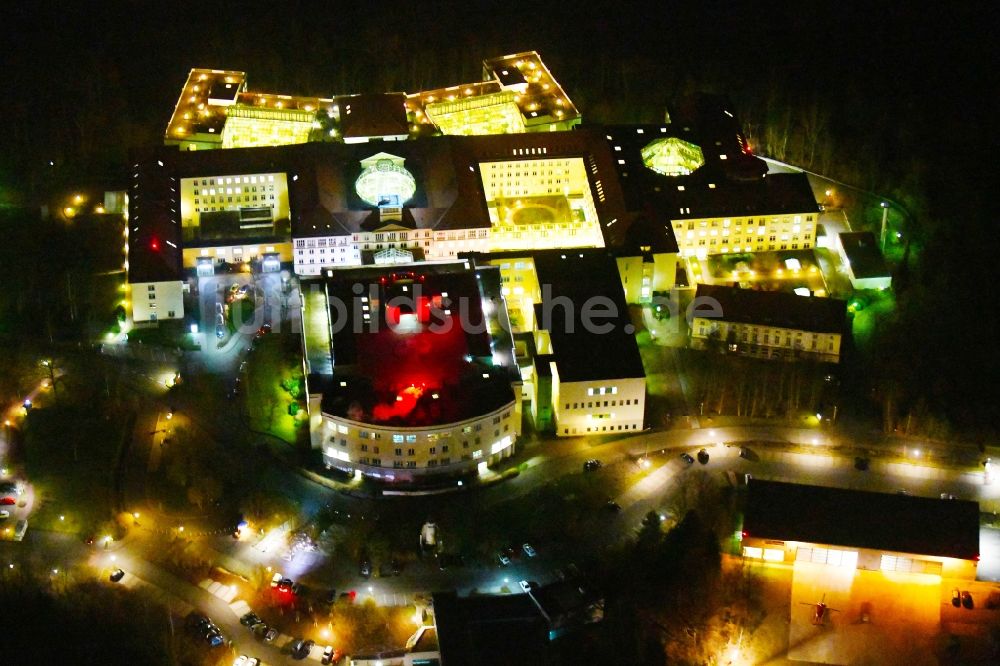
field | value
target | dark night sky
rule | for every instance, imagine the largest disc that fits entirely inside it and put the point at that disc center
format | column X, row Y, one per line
column 892, row 57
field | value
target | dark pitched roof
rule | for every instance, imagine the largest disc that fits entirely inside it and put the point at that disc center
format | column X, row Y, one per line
column 561, row 599
column 879, row 521
column 776, row 194
column 861, row 250
column 502, row 630
column 732, row 186
column 154, row 240
column 775, row 308
column 449, row 190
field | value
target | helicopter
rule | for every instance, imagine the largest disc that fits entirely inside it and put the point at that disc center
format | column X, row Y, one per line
column 820, row 610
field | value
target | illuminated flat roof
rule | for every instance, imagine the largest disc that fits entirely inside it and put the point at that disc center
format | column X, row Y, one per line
column 200, row 113
column 539, row 96
column 194, row 113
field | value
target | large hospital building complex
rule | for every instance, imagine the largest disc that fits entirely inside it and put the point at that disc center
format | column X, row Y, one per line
column 490, row 194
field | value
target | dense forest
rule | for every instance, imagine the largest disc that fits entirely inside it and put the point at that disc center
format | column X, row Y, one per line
column 883, row 97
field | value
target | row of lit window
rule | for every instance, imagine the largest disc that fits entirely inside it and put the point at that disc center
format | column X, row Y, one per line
column 399, row 438
column 749, row 222
column 233, row 190
column 607, row 403
column 263, row 198
column 229, row 180
column 626, row 426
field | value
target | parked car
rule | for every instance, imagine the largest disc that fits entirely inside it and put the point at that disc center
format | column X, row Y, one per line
column 301, row 648
column 967, row 600
column 612, row 506
column 592, row 464
column 956, row 598
column 528, row 550
column 285, row 585
column 525, row 586
column 213, row 636
column 366, row 568
column 504, row 558
column 220, row 331
column 4, row 515
column 275, row 579
column 687, row 458
column 703, row 457
column 117, row 575
column 271, row 634
column 331, row 655
column 249, row 619
column 7, row 501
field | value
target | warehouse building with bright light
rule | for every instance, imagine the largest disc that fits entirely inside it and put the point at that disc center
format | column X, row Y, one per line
column 853, row 529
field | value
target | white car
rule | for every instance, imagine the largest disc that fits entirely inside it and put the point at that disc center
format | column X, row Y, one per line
column 241, row 660
column 525, row 586
column 4, row 515
column 528, row 550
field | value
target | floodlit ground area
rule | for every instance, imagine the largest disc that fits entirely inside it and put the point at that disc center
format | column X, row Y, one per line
column 903, row 616
column 873, row 617
column 771, row 271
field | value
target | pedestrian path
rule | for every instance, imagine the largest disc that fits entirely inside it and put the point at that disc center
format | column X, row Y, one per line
column 393, row 599
column 225, row 592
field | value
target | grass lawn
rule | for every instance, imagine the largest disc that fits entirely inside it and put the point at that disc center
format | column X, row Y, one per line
column 171, row 334
column 877, row 305
column 273, row 365
column 70, row 454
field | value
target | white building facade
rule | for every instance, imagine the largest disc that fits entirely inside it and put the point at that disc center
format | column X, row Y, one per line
column 401, row 454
